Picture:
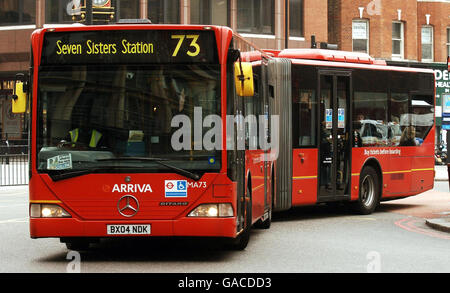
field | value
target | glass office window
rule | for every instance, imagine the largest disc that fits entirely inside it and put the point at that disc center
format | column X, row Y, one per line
column 427, row 43
column 296, row 18
column 17, row 12
column 398, row 40
column 256, row 16
column 58, row 11
column 164, row 11
column 129, row 9
column 360, row 36
column 213, row 12
column 448, row 41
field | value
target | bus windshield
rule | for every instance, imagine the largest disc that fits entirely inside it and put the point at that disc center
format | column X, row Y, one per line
column 97, row 117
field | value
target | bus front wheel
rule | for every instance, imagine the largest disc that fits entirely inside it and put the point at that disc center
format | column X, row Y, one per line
column 241, row 241
column 77, row 244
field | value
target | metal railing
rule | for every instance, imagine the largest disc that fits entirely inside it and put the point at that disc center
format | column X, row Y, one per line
column 14, row 159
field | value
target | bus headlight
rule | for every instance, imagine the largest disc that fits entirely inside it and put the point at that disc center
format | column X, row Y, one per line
column 213, row 210
column 48, row 211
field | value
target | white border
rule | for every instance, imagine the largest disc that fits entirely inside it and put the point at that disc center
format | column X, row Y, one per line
column 258, row 36
column 17, row 27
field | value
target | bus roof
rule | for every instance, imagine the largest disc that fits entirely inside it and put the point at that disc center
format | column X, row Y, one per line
column 125, row 26
column 322, row 57
column 329, row 55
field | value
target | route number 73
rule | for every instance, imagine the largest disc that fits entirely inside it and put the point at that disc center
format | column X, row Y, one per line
column 194, row 47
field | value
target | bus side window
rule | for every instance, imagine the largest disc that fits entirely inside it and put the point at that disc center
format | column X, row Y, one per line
column 399, row 116
column 304, row 107
column 422, row 116
column 371, row 101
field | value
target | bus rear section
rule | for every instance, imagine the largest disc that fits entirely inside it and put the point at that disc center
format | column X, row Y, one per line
column 361, row 131
column 127, row 135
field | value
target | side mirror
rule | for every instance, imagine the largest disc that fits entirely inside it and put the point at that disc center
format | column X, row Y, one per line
column 19, row 97
column 243, row 75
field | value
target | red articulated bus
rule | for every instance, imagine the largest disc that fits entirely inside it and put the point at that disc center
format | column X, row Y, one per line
column 354, row 130
column 128, row 133
column 187, row 130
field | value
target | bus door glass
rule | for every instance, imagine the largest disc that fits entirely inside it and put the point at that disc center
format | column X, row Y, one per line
column 334, row 163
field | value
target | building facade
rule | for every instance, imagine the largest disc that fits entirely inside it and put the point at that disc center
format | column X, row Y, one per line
column 394, row 30
column 403, row 32
column 410, row 30
column 272, row 24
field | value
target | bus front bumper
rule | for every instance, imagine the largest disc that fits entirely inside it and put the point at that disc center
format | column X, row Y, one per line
column 72, row 227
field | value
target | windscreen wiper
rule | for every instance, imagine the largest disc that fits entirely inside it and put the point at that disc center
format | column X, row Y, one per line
column 159, row 161
column 57, row 175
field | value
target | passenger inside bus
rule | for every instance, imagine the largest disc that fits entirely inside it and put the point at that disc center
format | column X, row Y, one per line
column 395, row 126
column 357, row 141
column 408, row 137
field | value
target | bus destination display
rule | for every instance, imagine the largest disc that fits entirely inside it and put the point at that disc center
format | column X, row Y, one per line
column 129, row 47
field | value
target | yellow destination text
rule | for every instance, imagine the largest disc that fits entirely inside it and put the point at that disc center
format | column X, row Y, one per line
column 100, row 48
column 68, row 49
column 137, row 48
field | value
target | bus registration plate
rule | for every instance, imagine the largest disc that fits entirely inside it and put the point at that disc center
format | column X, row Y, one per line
column 128, row 229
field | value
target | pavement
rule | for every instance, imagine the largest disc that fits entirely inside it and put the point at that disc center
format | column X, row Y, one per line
column 442, row 223
column 441, row 173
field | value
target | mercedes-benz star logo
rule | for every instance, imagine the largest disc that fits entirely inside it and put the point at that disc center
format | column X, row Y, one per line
column 128, row 206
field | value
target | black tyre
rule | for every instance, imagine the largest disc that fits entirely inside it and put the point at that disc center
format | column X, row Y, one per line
column 241, row 241
column 78, row 245
column 265, row 224
column 369, row 191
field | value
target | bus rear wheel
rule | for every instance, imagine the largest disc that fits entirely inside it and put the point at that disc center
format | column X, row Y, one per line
column 369, row 191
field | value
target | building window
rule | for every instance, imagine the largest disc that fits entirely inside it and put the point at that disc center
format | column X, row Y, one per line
column 296, row 18
column 213, row 12
column 398, row 43
column 58, row 11
column 164, row 11
column 448, row 41
column 129, row 9
column 360, row 36
column 427, row 43
column 256, row 16
column 17, row 12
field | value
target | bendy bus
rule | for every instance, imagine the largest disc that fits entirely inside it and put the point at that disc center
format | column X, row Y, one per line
column 128, row 134
column 354, row 130
column 189, row 130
